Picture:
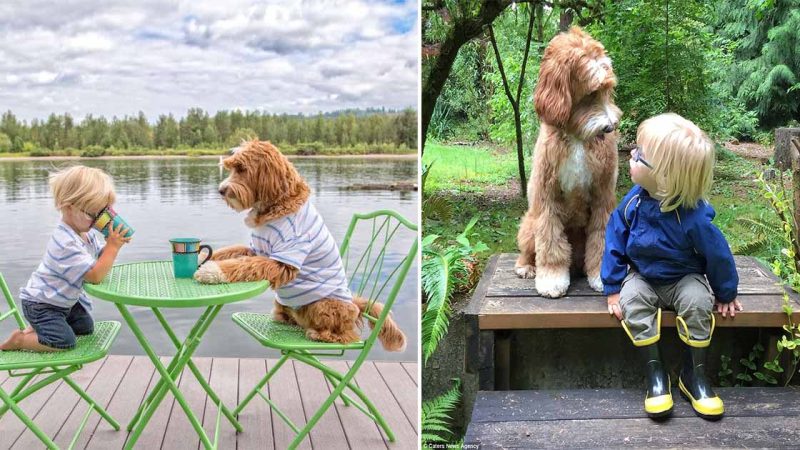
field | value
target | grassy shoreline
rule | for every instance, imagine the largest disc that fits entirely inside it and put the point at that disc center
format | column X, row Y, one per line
column 20, row 157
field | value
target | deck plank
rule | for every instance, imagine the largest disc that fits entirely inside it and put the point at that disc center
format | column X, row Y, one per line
column 51, row 417
column 412, row 369
column 127, row 397
column 361, row 431
column 400, row 384
column 614, row 418
column 101, row 390
column 180, row 434
column 256, row 417
column 328, row 432
column 513, row 303
column 284, row 391
column 153, row 434
column 373, row 386
column 10, row 424
column 739, row 432
column 224, row 382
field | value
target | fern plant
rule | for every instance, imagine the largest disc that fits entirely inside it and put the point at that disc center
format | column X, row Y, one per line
column 444, row 271
column 436, row 415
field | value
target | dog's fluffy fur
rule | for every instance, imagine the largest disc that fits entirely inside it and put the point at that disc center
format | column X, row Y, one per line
column 263, row 181
column 571, row 191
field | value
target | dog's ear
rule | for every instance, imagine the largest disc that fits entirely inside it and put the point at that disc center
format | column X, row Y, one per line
column 553, row 96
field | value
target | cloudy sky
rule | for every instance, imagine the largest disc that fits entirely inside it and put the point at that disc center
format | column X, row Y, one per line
column 107, row 57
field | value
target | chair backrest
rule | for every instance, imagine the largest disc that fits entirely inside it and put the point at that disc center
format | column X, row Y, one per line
column 375, row 258
column 12, row 307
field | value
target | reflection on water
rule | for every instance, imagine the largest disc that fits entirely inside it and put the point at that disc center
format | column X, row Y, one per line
column 165, row 198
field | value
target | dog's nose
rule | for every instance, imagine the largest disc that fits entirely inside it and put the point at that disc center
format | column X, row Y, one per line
column 223, row 190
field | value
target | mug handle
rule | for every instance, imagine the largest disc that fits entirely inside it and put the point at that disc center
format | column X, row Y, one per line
column 210, row 252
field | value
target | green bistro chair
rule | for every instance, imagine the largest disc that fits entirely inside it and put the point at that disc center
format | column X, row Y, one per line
column 370, row 273
column 56, row 365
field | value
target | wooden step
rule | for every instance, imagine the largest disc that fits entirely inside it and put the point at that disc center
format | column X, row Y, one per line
column 509, row 302
column 614, row 418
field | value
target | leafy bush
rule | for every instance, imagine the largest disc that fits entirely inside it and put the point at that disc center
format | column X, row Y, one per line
column 93, row 151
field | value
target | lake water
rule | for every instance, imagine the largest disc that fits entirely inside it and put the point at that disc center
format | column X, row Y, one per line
column 164, row 198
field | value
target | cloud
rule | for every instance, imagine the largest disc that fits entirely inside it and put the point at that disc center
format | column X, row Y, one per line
column 114, row 57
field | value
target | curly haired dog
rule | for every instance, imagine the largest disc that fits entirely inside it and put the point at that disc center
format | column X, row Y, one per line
column 291, row 248
column 571, row 191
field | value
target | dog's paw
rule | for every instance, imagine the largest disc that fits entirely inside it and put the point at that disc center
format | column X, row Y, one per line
column 527, row 271
column 596, row 283
column 551, row 283
column 210, row 273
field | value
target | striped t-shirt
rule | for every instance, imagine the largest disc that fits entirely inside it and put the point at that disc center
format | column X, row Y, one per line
column 302, row 240
column 59, row 278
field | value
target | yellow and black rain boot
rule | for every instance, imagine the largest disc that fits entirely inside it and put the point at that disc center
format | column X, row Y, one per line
column 692, row 382
column 658, row 402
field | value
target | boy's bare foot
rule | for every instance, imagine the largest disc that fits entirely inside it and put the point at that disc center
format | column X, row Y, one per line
column 14, row 342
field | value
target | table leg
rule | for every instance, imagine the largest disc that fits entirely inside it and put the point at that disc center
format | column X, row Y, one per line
column 211, row 394
column 169, row 384
column 172, row 365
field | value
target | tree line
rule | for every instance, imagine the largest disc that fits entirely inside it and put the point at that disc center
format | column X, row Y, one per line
column 198, row 129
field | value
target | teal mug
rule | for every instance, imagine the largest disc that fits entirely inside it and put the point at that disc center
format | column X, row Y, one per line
column 185, row 256
column 108, row 218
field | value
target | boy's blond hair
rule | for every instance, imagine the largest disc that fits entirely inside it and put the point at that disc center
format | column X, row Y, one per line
column 85, row 188
column 682, row 157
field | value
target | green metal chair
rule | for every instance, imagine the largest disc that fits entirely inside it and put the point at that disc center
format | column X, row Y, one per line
column 370, row 273
column 57, row 364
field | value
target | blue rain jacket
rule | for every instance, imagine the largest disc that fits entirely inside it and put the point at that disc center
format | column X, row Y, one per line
column 664, row 247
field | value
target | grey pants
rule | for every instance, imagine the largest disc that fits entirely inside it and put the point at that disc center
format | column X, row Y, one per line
column 690, row 297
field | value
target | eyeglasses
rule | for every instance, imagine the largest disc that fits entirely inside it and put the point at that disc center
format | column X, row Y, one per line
column 93, row 217
column 637, row 156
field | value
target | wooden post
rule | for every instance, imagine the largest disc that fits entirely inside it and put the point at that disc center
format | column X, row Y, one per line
column 783, row 147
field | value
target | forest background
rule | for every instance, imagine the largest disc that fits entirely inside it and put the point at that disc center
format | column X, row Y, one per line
column 364, row 131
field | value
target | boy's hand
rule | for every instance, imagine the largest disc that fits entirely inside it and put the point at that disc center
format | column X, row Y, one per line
column 116, row 237
column 725, row 308
column 613, row 306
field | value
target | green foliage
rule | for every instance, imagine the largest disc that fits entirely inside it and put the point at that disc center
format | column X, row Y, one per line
column 766, row 57
column 360, row 131
column 787, row 266
column 436, row 415
column 5, row 143
column 445, row 268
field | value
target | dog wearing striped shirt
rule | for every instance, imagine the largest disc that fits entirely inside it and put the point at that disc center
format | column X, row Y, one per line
column 292, row 249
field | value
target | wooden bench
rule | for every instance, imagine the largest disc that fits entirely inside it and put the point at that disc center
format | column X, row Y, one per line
column 613, row 418
column 503, row 302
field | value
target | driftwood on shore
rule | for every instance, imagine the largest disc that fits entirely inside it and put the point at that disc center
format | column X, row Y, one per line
column 398, row 186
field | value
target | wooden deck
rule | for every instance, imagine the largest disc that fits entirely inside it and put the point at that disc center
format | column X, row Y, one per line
column 614, row 418
column 120, row 384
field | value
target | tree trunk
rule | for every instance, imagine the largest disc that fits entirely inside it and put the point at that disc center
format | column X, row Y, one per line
column 520, row 157
column 462, row 32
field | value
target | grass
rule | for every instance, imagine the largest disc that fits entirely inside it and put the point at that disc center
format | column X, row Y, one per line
column 476, row 181
column 467, row 169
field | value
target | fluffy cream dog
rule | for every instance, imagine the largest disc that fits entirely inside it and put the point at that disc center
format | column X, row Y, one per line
column 571, row 191
column 291, row 248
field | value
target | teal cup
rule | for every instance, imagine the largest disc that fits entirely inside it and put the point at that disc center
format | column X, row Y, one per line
column 109, row 219
column 185, row 256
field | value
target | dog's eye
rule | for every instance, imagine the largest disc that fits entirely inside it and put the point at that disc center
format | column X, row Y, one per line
column 239, row 167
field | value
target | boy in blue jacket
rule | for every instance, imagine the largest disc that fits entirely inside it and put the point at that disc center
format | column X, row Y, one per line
column 662, row 251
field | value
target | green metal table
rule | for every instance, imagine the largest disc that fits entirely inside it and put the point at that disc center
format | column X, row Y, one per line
column 152, row 284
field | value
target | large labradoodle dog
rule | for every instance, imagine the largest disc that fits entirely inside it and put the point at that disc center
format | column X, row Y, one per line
column 571, row 192
column 292, row 248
